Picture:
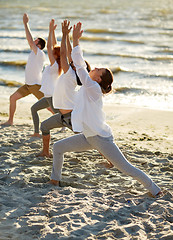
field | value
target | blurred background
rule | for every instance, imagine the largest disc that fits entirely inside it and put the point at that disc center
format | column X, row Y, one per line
column 132, row 38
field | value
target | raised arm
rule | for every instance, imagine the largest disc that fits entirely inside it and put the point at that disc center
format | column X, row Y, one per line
column 28, row 33
column 77, row 33
column 69, row 49
column 77, row 56
column 63, row 52
column 50, row 41
column 54, row 41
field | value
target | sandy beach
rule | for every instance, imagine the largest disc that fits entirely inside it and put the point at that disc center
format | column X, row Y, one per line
column 93, row 202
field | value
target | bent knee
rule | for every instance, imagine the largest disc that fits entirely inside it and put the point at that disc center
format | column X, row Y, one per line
column 58, row 147
column 34, row 108
column 13, row 98
column 44, row 128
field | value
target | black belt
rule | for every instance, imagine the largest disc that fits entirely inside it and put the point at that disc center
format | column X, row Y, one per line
column 67, row 115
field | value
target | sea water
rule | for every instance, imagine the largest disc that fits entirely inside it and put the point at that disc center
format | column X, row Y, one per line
column 132, row 38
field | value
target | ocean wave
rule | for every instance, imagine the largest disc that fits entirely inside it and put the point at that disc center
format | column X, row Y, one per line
column 109, row 39
column 146, row 57
column 41, row 9
column 107, row 11
column 11, row 37
column 10, row 28
column 95, row 30
column 18, row 63
column 149, row 58
column 8, row 5
column 8, row 83
column 162, row 76
column 128, row 90
column 137, row 91
column 118, row 69
column 97, row 39
column 8, row 50
column 167, row 51
column 131, row 41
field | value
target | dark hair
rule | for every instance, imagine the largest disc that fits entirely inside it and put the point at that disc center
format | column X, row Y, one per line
column 107, row 80
column 57, row 52
column 42, row 42
column 88, row 68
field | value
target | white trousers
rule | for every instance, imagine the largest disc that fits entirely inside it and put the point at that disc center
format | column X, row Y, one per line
column 106, row 147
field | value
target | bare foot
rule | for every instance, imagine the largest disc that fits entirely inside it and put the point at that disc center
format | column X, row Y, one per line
column 8, row 123
column 36, row 135
column 53, row 182
column 43, row 154
column 158, row 195
column 107, row 164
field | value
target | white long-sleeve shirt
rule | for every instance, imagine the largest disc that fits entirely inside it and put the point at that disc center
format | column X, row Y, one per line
column 64, row 92
column 49, row 78
column 88, row 116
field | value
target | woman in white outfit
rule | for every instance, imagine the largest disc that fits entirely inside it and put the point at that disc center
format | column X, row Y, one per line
column 88, row 118
column 64, row 93
column 49, row 78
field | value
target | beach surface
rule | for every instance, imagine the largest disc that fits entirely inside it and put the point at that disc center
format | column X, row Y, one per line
column 93, row 202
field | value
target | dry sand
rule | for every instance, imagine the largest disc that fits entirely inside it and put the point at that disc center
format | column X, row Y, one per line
column 93, row 202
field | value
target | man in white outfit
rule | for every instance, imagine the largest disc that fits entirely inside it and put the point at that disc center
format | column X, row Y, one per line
column 33, row 71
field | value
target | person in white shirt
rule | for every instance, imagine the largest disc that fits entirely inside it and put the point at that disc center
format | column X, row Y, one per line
column 88, row 118
column 49, row 78
column 64, row 93
column 33, row 71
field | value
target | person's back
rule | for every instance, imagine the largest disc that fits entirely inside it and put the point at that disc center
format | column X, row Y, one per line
column 49, row 79
column 34, row 67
